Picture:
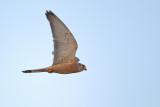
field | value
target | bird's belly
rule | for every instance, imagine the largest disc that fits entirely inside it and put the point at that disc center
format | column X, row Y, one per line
column 65, row 68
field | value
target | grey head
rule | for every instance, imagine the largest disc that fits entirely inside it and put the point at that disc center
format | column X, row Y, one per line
column 81, row 67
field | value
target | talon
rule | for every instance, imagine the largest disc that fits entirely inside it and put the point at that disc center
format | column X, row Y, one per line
column 49, row 71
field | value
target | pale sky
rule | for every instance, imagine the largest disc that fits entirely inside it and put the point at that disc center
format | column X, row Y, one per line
column 118, row 41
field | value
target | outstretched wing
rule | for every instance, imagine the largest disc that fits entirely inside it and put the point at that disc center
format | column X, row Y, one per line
column 65, row 45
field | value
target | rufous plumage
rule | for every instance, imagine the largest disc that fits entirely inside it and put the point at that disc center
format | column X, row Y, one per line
column 65, row 47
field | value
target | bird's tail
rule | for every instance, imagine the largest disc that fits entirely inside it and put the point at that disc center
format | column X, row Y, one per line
column 35, row 70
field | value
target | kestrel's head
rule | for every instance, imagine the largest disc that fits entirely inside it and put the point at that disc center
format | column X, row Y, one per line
column 81, row 67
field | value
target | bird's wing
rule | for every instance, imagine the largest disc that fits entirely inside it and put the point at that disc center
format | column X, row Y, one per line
column 65, row 45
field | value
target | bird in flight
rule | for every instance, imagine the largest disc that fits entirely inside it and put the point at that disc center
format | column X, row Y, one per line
column 65, row 47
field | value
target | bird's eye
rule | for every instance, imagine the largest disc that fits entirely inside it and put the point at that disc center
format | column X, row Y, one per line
column 81, row 66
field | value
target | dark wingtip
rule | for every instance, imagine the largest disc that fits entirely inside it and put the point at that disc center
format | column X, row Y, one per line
column 49, row 12
column 27, row 71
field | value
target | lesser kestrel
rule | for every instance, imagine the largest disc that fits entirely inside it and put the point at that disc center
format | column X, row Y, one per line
column 65, row 47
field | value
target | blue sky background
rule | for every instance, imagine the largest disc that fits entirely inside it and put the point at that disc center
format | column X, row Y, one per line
column 119, row 42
